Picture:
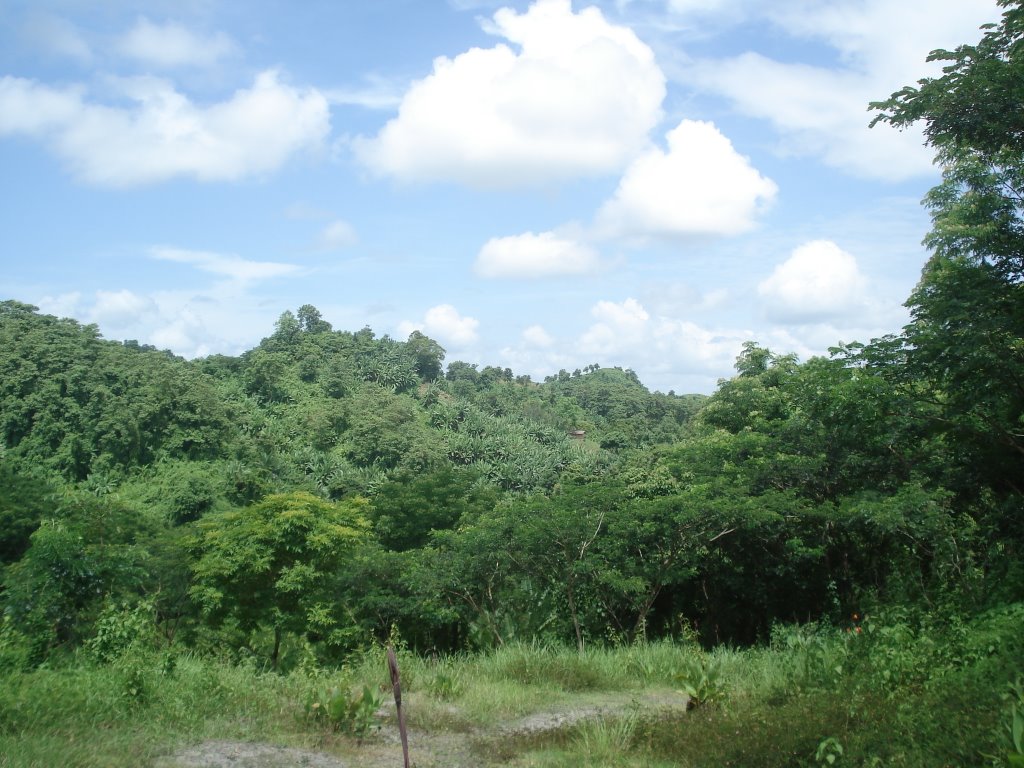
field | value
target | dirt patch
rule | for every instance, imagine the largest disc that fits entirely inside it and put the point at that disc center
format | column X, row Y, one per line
column 240, row 754
column 605, row 705
column 437, row 749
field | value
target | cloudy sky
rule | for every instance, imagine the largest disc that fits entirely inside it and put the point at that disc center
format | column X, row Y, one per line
column 545, row 185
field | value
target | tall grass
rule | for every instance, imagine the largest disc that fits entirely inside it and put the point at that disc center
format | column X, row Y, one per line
column 127, row 713
column 897, row 694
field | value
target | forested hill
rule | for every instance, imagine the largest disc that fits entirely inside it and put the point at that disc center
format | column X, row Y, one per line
column 328, row 487
column 307, row 404
column 472, row 506
column 858, row 519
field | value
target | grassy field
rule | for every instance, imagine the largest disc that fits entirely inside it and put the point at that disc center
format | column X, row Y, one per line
column 887, row 695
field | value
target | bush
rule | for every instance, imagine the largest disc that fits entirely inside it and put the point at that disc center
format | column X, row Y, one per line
column 349, row 709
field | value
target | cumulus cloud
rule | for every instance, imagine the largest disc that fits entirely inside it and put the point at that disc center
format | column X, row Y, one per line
column 164, row 134
column 668, row 352
column 185, row 333
column 536, row 336
column 227, row 265
column 700, row 186
column 618, row 326
column 336, row 235
column 120, row 309
column 32, row 109
column 226, row 316
column 444, row 323
column 172, row 45
column 819, row 281
column 820, row 110
column 534, row 255
column 670, row 297
column 576, row 97
column 62, row 305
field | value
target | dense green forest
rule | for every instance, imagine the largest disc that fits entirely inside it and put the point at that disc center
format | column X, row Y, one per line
column 328, row 490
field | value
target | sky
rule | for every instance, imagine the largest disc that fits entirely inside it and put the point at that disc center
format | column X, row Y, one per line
column 535, row 185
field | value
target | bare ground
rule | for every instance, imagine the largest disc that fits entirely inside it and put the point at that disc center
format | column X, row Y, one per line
column 448, row 748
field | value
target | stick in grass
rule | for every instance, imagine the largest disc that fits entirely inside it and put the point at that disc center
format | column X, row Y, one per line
column 396, row 685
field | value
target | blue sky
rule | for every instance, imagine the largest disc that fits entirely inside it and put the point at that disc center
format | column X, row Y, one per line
column 546, row 185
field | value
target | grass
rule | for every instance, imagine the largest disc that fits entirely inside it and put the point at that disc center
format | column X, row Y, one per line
column 894, row 696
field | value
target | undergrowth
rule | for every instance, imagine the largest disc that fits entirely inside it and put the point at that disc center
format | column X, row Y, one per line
column 903, row 691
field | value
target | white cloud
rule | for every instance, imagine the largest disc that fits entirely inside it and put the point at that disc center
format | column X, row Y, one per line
column 172, row 45
column 821, row 110
column 671, row 297
column 667, row 352
column 164, row 134
column 120, row 309
column 618, row 327
column 185, row 334
column 700, row 186
column 534, row 255
column 32, row 109
column 62, row 305
column 817, row 282
column 536, row 336
column 578, row 97
column 444, row 323
column 230, row 266
column 878, row 36
column 376, row 93
column 336, row 235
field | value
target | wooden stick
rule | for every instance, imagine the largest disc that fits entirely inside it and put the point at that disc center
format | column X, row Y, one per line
column 396, row 685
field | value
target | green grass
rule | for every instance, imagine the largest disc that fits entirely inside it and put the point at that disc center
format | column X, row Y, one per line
column 127, row 713
column 894, row 696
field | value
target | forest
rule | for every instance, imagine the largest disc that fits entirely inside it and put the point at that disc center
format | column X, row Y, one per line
column 826, row 555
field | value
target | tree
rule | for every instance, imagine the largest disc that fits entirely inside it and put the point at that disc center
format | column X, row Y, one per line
column 311, row 321
column 965, row 342
column 428, row 355
column 90, row 550
column 408, row 507
column 272, row 564
column 286, row 329
column 23, row 503
column 975, row 105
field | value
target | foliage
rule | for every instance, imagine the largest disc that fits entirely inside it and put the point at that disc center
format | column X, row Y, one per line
column 78, row 405
column 700, row 679
column 93, row 552
column 119, row 628
column 407, row 507
column 964, row 341
column 345, row 708
column 1013, row 735
column 272, row 564
column 24, row 501
column 328, row 487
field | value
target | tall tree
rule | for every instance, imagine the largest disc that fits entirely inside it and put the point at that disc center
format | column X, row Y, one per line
column 273, row 564
column 965, row 342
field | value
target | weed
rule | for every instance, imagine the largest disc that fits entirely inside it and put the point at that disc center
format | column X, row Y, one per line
column 119, row 628
column 829, row 751
column 1011, row 737
column 700, row 679
column 446, row 684
column 349, row 709
column 606, row 739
